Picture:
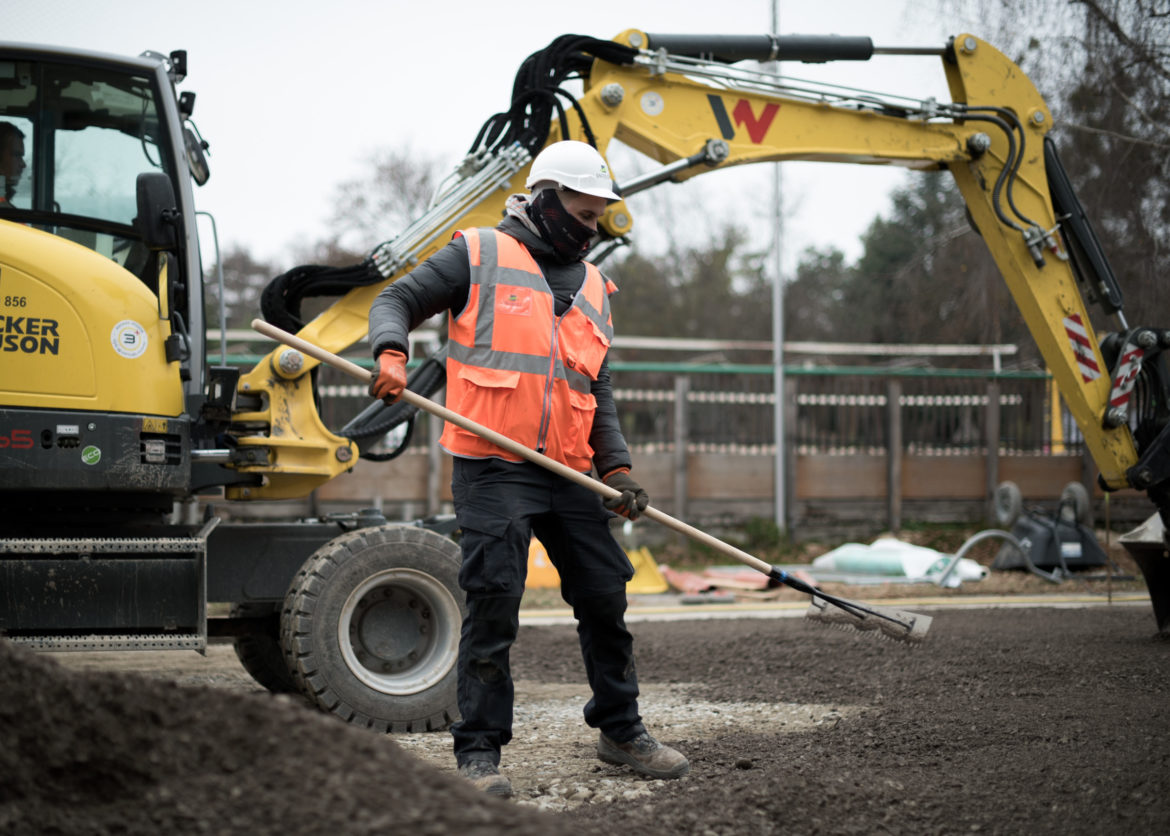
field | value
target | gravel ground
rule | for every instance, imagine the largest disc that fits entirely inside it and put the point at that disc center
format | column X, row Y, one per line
column 552, row 760
column 1014, row 720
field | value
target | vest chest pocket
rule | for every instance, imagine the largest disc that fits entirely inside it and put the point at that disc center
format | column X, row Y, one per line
column 583, row 406
column 583, row 344
column 488, row 396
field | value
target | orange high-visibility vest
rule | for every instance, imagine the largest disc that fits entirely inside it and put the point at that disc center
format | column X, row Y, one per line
column 513, row 365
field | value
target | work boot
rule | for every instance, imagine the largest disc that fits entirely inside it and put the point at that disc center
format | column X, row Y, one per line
column 646, row 755
column 486, row 777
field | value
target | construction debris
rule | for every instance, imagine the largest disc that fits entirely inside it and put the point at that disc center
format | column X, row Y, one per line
column 889, row 559
column 647, row 579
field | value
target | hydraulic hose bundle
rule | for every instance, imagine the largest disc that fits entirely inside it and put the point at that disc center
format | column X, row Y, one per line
column 537, row 91
column 280, row 302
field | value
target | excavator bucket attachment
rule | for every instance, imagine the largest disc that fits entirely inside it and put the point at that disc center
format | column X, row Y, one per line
column 1147, row 545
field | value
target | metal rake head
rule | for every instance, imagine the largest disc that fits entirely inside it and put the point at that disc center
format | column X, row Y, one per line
column 898, row 625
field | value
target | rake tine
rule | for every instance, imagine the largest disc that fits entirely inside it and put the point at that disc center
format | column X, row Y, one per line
column 841, row 612
column 893, row 624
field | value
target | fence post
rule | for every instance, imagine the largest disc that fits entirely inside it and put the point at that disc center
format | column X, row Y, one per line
column 789, row 453
column 894, row 454
column 682, row 386
column 992, row 440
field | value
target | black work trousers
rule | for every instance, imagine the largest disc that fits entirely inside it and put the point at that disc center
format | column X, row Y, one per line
column 500, row 506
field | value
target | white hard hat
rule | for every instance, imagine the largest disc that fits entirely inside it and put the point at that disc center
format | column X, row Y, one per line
column 573, row 165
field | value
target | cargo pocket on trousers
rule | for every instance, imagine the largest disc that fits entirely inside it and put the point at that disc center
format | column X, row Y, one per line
column 490, row 561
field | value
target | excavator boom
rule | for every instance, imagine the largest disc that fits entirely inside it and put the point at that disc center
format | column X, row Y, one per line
column 688, row 103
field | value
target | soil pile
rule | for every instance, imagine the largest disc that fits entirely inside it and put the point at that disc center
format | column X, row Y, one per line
column 1005, row 721
column 97, row 753
column 1039, row 721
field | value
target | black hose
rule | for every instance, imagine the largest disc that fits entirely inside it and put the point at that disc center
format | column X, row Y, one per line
column 377, row 419
column 1005, row 172
column 280, row 302
column 397, row 451
column 1010, row 124
column 536, row 87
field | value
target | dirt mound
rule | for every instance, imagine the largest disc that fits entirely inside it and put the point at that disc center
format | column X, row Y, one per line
column 1010, row 720
column 88, row 753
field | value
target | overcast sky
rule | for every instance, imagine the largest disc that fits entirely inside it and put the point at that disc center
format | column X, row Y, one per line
column 294, row 96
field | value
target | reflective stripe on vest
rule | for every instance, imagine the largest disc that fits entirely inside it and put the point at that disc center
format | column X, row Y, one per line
column 514, row 366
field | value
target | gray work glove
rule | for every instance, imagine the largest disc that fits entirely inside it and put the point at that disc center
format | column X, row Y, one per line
column 633, row 499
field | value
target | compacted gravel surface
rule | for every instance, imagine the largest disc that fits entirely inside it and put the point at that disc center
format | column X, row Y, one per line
column 1006, row 720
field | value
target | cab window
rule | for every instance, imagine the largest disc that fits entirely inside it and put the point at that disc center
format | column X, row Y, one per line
column 87, row 134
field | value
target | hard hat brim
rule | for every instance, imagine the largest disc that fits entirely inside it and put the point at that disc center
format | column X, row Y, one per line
column 594, row 191
column 608, row 194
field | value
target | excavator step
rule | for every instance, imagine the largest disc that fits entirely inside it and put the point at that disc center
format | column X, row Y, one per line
column 100, row 641
column 106, row 593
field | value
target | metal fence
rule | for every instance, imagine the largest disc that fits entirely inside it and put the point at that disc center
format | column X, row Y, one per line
column 833, row 411
column 864, row 444
column 726, row 407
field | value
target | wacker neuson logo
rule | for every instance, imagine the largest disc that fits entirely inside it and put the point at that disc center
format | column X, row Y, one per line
column 29, row 335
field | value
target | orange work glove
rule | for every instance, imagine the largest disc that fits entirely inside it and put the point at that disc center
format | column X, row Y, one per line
column 633, row 499
column 391, row 378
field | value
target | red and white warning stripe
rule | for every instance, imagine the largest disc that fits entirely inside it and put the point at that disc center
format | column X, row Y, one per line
column 1127, row 372
column 1082, row 348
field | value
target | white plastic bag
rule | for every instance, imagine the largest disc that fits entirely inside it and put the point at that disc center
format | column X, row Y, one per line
column 890, row 557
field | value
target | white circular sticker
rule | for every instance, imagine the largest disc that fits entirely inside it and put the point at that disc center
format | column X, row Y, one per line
column 652, row 103
column 128, row 338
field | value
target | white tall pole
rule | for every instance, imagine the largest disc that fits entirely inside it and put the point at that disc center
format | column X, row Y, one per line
column 778, row 319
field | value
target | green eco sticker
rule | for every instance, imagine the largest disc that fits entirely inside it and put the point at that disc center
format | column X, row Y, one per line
column 91, row 455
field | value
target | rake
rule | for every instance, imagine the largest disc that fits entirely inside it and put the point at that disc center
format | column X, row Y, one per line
column 823, row 607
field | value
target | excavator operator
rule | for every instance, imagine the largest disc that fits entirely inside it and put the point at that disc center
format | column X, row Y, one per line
column 529, row 328
column 11, row 160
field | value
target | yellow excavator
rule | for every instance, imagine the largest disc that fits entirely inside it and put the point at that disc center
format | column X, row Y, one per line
column 112, row 414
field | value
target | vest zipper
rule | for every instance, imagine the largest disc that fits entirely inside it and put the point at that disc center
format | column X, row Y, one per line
column 549, row 380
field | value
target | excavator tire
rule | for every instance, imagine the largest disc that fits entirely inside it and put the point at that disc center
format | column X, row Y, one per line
column 260, row 653
column 370, row 628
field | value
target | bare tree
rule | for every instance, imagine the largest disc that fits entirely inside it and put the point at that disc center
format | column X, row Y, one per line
column 373, row 207
column 244, row 280
column 1104, row 68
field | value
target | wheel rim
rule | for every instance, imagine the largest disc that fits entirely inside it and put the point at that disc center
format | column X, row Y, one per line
column 399, row 631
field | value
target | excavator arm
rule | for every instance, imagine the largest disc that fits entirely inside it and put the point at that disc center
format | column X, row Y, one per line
column 997, row 120
column 695, row 104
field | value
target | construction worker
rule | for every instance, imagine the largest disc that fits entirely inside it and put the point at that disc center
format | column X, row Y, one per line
column 11, row 160
column 528, row 332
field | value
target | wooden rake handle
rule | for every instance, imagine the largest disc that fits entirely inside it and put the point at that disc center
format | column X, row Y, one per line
column 414, row 399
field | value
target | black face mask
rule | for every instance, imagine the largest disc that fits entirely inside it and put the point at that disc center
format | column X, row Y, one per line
column 569, row 238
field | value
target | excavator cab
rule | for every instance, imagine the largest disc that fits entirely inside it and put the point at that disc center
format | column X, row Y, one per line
column 88, row 133
column 100, row 286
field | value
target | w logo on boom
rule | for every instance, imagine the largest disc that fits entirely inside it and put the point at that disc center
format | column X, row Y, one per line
column 744, row 116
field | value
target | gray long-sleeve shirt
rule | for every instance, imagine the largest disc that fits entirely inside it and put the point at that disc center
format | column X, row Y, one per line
column 441, row 283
